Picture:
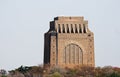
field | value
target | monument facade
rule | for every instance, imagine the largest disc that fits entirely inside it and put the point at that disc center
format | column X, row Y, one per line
column 69, row 43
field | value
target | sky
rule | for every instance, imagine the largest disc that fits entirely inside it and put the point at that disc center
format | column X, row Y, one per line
column 24, row 22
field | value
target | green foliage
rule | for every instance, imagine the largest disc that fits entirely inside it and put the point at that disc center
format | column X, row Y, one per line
column 107, row 71
column 79, row 71
column 56, row 74
column 114, row 75
column 57, row 69
column 71, row 72
column 27, row 71
column 3, row 76
column 23, row 69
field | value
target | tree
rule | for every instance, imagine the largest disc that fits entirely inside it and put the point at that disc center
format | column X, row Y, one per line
column 36, row 70
column 3, row 73
column 24, row 70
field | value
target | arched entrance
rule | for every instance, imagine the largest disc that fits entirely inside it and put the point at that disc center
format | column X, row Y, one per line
column 72, row 54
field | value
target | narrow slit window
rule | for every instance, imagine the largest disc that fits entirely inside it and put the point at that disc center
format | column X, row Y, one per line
column 59, row 29
column 80, row 29
column 72, row 29
column 84, row 28
column 63, row 28
column 67, row 29
column 76, row 31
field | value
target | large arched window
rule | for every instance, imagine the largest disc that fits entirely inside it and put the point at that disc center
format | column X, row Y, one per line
column 72, row 54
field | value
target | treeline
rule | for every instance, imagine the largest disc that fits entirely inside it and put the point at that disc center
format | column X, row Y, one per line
column 84, row 71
